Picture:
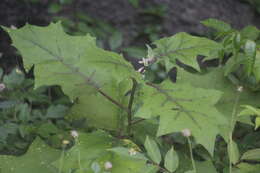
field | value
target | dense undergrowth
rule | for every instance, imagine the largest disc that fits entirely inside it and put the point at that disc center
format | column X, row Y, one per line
column 89, row 110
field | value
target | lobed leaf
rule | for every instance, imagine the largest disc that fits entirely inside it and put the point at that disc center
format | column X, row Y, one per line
column 215, row 79
column 85, row 72
column 37, row 159
column 181, row 106
column 185, row 48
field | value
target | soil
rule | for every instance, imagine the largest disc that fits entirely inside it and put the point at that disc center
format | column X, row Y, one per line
column 180, row 16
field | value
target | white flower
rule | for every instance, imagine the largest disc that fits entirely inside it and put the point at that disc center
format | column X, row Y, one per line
column 2, row 86
column 74, row 133
column 141, row 70
column 240, row 88
column 146, row 61
column 108, row 165
column 186, row 132
column 132, row 152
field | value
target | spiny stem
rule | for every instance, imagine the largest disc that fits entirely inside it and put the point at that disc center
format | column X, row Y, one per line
column 191, row 155
column 130, row 104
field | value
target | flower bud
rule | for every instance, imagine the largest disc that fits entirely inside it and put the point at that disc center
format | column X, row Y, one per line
column 74, row 133
column 240, row 88
column 186, row 132
column 108, row 165
column 2, row 86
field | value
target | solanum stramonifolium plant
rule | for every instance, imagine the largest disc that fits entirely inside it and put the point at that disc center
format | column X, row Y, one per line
column 146, row 127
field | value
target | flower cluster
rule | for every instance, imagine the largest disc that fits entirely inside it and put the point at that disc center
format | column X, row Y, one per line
column 145, row 62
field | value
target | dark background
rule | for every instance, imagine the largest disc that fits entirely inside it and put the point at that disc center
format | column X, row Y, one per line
column 171, row 17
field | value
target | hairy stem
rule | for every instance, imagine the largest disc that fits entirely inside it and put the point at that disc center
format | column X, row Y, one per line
column 61, row 159
column 232, row 126
column 191, row 156
column 79, row 156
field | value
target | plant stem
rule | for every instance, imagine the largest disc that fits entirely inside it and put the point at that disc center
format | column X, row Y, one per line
column 130, row 104
column 61, row 159
column 232, row 125
column 161, row 168
column 191, row 155
column 137, row 121
column 79, row 156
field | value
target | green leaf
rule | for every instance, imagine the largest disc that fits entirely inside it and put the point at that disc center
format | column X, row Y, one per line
column 185, row 48
column 98, row 147
column 56, row 111
column 171, row 161
column 234, row 63
column 249, row 110
column 179, row 108
column 250, row 52
column 216, row 24
column 248, row 168
column 152, row 150
column 250, row 32
column 24, row 112
column 37, row 159
column 14, row 79
column 205, row 166
column 256, row 70
column 215, row 79
column 253, row 154
column 127, row 153
column 257, row 123
column 233, row 152
column 7, row 104
column 116, row 40
column 47, row 129
column 85, row 72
